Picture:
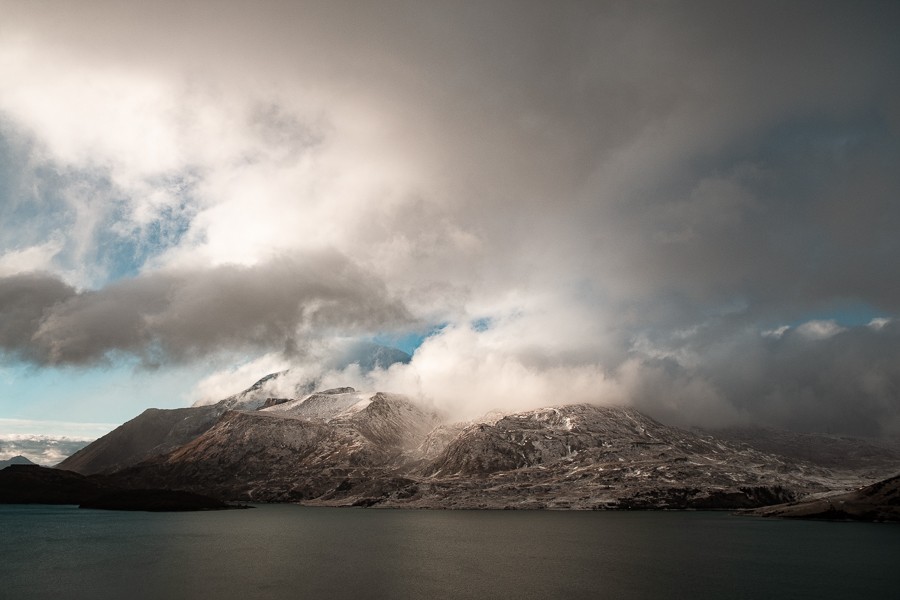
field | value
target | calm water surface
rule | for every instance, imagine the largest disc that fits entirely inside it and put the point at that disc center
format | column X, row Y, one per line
column 284, row 551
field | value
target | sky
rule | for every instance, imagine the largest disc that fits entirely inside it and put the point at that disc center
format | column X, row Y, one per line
column 687, row 207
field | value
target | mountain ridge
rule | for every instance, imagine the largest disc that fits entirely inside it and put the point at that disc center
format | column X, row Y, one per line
column 341, row 447
column 387, row 453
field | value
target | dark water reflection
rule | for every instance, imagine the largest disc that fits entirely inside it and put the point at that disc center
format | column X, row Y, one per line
column 295, row 552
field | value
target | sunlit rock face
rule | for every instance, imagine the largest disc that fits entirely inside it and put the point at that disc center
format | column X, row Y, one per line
column 158, row 431
column 297, row 451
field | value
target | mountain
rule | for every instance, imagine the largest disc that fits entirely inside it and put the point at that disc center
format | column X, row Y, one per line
column 158, row 431
column 155, row 501
column 879, row 501
column 277, row 442
column 280, row 455
column 340, row 447
column 325, row 405
column 370, row 356
column 256, row 395
column 15, row 460
column 288, row 385
column 586, row 456
column 155, row 431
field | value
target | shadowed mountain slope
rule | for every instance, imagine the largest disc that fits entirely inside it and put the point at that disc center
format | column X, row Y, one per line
column 881, row 457
column 879, row 501
column 155, row 431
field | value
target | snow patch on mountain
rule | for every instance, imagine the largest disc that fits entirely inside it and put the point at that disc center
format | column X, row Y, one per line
column 325, row 405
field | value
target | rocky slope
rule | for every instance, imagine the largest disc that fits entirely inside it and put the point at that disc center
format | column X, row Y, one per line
column 340, row 447
column 276, row 442
column 879, row 501
column 278, row 456
column 585, row 456
column 158, row 431
column 153, row 432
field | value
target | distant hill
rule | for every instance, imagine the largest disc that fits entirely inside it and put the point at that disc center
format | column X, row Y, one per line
column 15, row 460
column 878, row 457
column 38, row 448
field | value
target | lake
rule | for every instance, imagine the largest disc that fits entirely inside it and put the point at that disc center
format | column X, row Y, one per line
column 286, row 551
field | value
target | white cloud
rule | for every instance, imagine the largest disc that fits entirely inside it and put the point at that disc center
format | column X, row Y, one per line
column 33, row 258
column 226, row 382
column 24, row 429
column 777, row 332
column 879, row 322
column 819, row 329
column 44, row 450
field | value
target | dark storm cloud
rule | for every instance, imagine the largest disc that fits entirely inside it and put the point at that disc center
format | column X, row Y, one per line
column 24, row 299
column 818, row 376
column 846, row 383
column 180, row 315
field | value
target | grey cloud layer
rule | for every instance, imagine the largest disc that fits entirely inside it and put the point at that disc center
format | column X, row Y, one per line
column 176, row 316
column 847, row 382
column 639, row 188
